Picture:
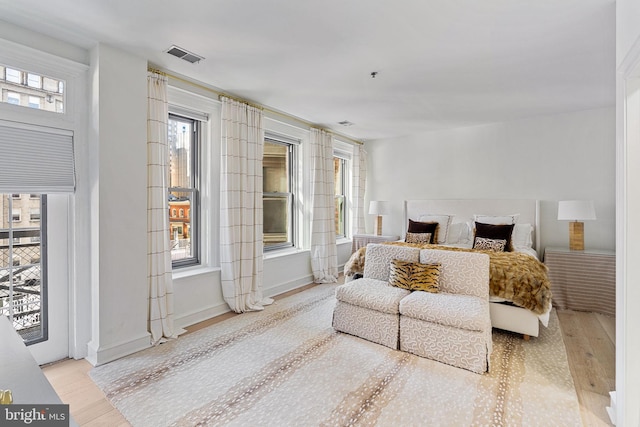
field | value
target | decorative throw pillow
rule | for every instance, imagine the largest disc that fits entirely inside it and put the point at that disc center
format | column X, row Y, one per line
column 414, row 276
column 418, row 237
column 444, row 221
column 423, row 227
column 484, row 244
column 494, row 232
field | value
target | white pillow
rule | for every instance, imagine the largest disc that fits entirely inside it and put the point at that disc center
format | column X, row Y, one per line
column 459, row 233
column 521, row 236
column 497, row 219
column 443, row 225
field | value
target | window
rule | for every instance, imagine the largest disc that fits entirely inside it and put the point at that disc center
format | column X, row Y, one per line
column 33, row 90
column 16, row 215
column 34, row 102
column 23, row 289
column 13, row 76
column 13, row 98
column 34, row 80
column 34, row 214
column 278, row 166
column 184, row 184
column 340, row 179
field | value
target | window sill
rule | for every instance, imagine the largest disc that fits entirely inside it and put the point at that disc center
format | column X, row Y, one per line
column 283, row 252
column 197, row 270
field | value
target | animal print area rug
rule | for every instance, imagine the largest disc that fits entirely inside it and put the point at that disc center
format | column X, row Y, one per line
column 286, row 366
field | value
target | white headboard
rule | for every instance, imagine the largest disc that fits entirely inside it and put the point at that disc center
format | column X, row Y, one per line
column 464, row 209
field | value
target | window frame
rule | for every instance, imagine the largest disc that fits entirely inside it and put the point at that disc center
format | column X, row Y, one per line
column 291, row 195
column 194, row 210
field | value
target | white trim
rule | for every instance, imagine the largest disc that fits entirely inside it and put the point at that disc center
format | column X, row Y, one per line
column 627, row 391
column 102, row 355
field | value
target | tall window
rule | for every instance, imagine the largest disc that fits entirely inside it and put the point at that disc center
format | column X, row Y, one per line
column 184, row 184
column 22, row 266
column 340, row 171
column 278, row 165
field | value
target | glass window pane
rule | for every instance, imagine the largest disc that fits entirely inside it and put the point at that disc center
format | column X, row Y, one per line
column 14, row 76
column 337, row 176
column 13, row 98
column 275, row 166
column 277, row 195
column 34, row 102
column 32, row 90
column 276, row 220
column 22, row 290
column 34, row 80
column 180, row 155
column 180, row 225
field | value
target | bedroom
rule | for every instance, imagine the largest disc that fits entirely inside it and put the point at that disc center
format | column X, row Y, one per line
column 554, row 141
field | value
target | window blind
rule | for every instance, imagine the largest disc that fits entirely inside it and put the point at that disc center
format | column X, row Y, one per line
column 35, row 159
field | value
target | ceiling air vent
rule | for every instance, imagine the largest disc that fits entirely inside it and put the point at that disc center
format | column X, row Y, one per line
column 181, row 53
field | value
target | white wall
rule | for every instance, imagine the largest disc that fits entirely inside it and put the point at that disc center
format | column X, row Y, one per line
column 118, row 181
column 549, row 158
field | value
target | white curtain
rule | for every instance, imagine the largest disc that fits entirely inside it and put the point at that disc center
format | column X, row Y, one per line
column 324, row 252
column 359, row 185
column 158, row 244
column 241, row 243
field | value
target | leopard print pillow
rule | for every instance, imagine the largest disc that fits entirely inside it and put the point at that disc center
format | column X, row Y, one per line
column 484, row 244
column 414, row 276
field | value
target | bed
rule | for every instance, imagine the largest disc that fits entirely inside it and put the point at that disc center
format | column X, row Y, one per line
column 504, row 314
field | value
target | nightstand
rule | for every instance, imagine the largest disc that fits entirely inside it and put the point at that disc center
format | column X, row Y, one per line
column 360, row 240
column 582, row 280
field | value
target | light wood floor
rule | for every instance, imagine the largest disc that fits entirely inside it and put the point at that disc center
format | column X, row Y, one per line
column 589, row 339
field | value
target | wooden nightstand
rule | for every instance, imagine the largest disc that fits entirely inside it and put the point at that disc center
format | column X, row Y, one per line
column 360, row 240
column 582, row 280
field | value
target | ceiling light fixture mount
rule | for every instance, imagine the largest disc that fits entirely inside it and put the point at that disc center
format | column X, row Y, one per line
column 181, row 53
column 345, row 123
column 374, row 74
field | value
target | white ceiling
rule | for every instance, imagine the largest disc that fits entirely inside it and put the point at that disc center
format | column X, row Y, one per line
column 440, row 63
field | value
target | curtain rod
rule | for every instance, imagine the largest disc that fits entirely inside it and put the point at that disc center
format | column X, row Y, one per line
column 222, row 94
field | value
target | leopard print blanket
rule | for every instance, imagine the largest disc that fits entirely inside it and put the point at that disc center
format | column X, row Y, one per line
column 514, row 276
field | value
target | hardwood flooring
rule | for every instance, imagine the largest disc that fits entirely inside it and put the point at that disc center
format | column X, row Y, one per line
column 589, row 339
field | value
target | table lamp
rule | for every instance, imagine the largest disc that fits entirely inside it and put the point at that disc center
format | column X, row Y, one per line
column 378, row 208
column 576, row 211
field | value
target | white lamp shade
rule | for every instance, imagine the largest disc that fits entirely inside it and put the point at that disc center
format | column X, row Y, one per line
column 576, row 210
column 379, row 208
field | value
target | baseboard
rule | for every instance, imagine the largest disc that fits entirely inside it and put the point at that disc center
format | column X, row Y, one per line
column 101, row 355
column 201, row 315
column 611, row 410
column 288, row 286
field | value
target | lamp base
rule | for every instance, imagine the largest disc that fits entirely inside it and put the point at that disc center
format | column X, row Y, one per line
column 378, row 226
column 576, row 236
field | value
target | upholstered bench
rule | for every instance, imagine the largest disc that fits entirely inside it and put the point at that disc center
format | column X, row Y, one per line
column 452, row 326
column 369, row 307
